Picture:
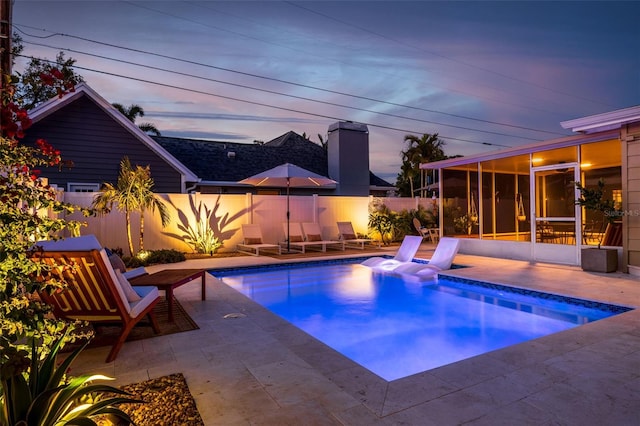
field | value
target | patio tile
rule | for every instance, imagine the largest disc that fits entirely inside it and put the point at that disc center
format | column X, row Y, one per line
column 368, row 388
column 233, row 408
column 537, row 377
column 524, row 354
column 264, row 353
column 518, row 413
column 570, row 406
column 617, row 346
column 309, row 413
column 451, row 409
column 143, row 360
column 471, row 371
column 414, row 390
column 261, row 370
column 362, row 416
column 292, row 381
column 323, row 358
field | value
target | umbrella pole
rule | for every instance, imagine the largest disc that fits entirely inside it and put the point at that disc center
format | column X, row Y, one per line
column 288, row 231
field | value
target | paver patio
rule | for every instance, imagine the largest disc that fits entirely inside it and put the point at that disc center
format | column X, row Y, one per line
column 258, row 369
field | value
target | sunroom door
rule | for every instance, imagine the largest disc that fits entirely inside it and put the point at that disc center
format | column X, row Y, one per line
column 556, row 224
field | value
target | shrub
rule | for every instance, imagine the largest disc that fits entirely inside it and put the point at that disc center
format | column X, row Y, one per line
column 405, row 220
column 34, row 391
column 154, row 257
column 383, row 223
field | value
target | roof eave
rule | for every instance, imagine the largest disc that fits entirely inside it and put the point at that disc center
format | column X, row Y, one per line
column 55, row 104
column 602, row 122
column 524, row 149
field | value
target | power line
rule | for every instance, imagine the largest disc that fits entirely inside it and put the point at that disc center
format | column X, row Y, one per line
column 202, row 92
column 244, row 86
column 293, row 83
column 305, row 52
column 468, row 64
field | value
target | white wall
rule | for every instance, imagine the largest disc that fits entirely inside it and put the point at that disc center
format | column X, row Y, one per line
column 230, row 211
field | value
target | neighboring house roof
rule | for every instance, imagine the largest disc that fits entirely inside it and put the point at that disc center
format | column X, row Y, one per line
column 54, row 104
column 379, row 182
column 215, row 161
column 225, row 163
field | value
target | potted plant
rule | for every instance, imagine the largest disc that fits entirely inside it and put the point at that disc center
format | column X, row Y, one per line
column 465, row 223
column 594, row 199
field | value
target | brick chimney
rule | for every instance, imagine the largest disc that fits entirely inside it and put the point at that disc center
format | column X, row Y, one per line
column 348, row 158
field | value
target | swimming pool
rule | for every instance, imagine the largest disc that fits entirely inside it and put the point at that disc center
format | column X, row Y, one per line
column 396, row 328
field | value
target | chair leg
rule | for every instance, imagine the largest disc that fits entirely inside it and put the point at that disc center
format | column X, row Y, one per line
column 128, row 326
column 154, row 322
column 126, row 329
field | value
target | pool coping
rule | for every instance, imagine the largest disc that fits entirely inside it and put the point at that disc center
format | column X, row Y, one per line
column 387, row 398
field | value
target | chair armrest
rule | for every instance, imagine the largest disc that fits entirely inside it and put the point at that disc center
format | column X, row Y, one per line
column 135, row 273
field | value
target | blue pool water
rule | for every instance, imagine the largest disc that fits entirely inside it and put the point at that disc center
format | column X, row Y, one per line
column 396, row 328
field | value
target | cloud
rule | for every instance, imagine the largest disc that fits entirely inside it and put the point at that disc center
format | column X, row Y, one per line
column 194, row 134
column 228, row 117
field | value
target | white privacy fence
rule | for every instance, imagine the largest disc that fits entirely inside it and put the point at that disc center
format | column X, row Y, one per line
column 226, row 213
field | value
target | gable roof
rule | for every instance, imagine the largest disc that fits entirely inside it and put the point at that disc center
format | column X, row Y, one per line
column 54, row 104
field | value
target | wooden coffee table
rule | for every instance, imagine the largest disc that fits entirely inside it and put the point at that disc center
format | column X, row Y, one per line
column 170, row 279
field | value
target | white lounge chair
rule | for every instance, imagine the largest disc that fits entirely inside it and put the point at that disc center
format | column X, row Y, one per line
column 313, row 233
column 441, row 260
column 349, row 236
column 297, row 240
column 253, row 242
column 405, row 254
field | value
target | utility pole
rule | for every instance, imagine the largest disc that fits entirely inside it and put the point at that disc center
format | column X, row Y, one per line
column 5, row 37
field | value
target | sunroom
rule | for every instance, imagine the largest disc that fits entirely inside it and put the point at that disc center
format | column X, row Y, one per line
column 520, row 203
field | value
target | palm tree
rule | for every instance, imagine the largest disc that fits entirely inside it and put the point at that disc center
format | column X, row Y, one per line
column 132, row 112
column 424, row 149
column 133, row 193
column 324, row 144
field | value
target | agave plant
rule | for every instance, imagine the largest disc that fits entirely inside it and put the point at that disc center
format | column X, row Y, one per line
column 198, row 233
column 207, row 229
column 48, row 397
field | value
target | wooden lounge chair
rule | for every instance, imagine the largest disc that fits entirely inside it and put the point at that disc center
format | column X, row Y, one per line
column 349, row 236
column 96, row 293
column 253, row 242
column 313, row 233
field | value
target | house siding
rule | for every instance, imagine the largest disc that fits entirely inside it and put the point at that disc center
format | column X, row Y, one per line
column 96, row 143
column 631, row 154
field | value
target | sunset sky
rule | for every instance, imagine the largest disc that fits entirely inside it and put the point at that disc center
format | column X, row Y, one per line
column 483, row 75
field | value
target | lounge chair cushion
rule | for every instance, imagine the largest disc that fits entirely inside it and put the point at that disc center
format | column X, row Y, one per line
column 131, row 294
column 314, row 237
column 116, row 262
column 349, row 236
column 148, row 295
column 132, row 273
column 253, row 240
column 296, row 238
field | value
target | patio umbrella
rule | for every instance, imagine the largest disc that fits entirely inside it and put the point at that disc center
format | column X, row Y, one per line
column 288, row 176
